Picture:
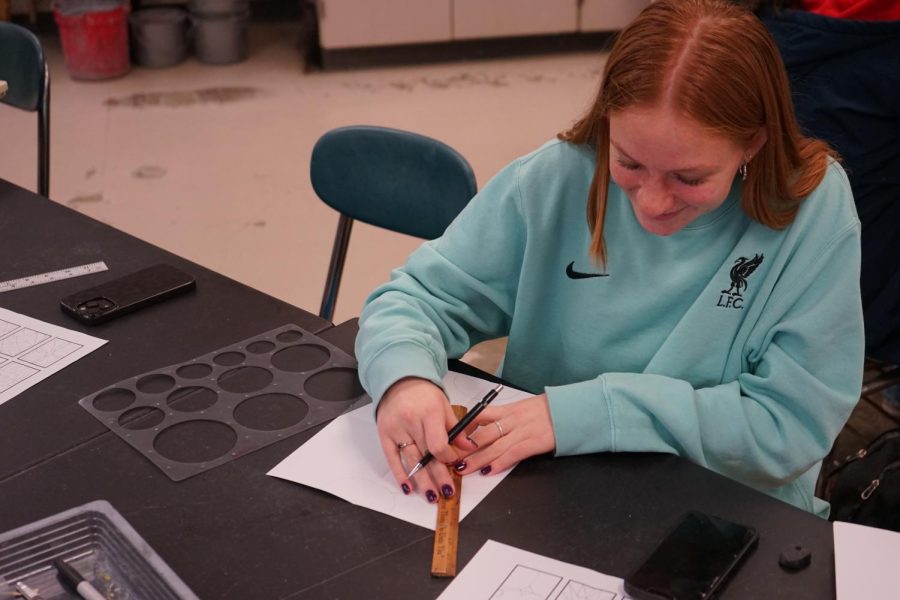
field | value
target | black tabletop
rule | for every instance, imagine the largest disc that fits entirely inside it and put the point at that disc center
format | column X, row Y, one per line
column 39, row 236
column 234, row 532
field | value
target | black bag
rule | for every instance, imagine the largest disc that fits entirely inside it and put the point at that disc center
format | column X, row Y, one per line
column 864, row 488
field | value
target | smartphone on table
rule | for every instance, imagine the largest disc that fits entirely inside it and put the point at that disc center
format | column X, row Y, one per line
column 694, row 561
column 128, row 293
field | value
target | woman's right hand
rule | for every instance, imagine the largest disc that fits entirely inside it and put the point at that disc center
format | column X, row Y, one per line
column 413, row 417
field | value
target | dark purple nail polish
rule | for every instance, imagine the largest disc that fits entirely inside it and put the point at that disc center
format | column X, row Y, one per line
column 460, row 466
column 431, row 496
column 447, row 490
column 486, row 470
column 405, row 488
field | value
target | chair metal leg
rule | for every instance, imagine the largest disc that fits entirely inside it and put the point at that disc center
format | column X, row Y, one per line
column 44, row 138
column 336, row 267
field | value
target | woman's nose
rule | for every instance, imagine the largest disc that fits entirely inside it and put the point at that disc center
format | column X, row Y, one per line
column 655, row 199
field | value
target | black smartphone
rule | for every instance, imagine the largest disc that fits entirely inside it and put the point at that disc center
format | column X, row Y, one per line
column 693, row 561
column 126, row 294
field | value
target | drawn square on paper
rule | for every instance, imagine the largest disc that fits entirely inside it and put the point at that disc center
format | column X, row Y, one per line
column 574, row 590
column 6, row 327
column 524, row 583
column 20, row 341
column 50, row 353
column 12, row 374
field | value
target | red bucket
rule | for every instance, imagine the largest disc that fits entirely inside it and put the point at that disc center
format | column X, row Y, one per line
column 95, row 43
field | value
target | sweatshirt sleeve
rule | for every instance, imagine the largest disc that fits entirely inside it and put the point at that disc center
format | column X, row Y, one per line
column 452, row 293
column 801, row 379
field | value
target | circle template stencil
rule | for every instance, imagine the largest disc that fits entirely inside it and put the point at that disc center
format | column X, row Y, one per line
column 190, row 417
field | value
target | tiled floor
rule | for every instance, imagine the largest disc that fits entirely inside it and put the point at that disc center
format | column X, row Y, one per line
column 211, row 162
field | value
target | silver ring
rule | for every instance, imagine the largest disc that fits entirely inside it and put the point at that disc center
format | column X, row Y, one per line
column 500, row 429
column 403, row 445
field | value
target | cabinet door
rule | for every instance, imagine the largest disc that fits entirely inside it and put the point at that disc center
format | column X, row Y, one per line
column 355, row 23
column 502, row 18
column 609, row 15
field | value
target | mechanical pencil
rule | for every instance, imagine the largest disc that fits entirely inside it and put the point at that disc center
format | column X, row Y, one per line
column 459, row 427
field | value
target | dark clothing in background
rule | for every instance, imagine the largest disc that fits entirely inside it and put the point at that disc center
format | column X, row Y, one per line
column 845, row 80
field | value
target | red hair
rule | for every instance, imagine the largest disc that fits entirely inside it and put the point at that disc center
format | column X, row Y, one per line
column 715, row 63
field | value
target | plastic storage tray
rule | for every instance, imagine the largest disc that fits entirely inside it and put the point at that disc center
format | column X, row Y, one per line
column 96, row 540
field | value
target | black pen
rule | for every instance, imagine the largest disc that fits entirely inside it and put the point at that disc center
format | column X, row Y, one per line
column 73, row 579
column 459, row 427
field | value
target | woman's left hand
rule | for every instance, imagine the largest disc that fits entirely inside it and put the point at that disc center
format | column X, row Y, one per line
column 509, row 433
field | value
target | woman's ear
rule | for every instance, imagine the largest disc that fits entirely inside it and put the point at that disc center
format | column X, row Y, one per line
column 758, row 141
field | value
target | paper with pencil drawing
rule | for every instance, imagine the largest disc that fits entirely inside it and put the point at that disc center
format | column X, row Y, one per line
column 32, row 350
column 500, row 571
column 345, row 459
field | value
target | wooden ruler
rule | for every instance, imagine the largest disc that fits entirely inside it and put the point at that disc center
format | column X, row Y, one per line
column 446, row 534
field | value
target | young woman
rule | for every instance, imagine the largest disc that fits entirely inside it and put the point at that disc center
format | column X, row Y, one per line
column 678, row 272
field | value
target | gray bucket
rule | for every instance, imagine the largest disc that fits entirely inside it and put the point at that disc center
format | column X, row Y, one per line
column 220, row 39
column 159, row 36
column 218, row 7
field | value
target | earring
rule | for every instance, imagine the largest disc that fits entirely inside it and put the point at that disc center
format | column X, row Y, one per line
column 743, row 171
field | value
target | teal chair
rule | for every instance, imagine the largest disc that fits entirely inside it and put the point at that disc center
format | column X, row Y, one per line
column 23, row 68
column 397, row 180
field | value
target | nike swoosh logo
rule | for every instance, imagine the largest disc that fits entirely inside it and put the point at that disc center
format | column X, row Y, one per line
column 573, row 274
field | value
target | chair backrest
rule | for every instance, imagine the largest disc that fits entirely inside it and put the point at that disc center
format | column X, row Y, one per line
column 23, row 67
column 394, row 179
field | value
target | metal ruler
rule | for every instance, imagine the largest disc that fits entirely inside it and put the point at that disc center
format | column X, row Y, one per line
column 41, row 278
column 446, row 533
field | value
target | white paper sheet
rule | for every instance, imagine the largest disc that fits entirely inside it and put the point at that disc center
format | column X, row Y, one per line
column 345, row 459
column 500, row 571
column 32, row 350
column 866, row 562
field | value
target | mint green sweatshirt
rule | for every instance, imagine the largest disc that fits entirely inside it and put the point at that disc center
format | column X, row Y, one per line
column 736, row 346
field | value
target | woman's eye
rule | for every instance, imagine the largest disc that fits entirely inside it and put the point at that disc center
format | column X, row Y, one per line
column 629, row 165
column 687, row 181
